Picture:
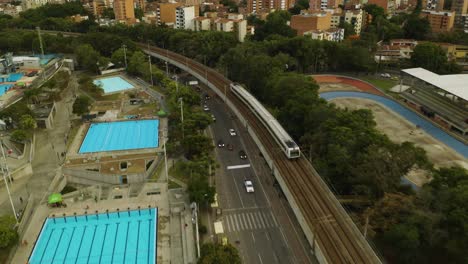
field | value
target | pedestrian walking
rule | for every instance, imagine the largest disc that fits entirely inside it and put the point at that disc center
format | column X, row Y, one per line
column 21, row 199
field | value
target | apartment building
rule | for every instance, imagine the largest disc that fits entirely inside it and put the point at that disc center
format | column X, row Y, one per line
column 460, row 7
column 333, row 34
column 10, row 10
column 388, row 5
column 233, row 23
column 440, row 21
column 311, row 21
column 184, row 16
column 464, row 23
column 456, row 53
column 124, row 11
column 201, row 23
column 256, row 6
column 324, row 4
column 141, row 4
column 166, row 13
column 437, row 5
column 355, row 18
column 28, row 4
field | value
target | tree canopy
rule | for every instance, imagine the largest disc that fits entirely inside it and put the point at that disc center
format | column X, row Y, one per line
column 8, row 233
column 220, row 254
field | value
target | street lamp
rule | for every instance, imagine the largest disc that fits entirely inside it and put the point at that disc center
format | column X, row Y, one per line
column 125, row 55
column 150, row 69
column 195, row 218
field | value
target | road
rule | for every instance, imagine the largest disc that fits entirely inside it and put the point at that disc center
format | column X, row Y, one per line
column 265, row 235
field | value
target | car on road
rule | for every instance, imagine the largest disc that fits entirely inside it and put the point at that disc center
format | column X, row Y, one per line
column 242, row 154
column 207, row 97
column 249, row 186
column 232, row 132
column 220, row 143
column 206, row 108
column 230, row 147
column 213, row 117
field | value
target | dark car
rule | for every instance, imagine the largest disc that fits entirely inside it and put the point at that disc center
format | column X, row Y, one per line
column 230, row 146
column 220, row 144
column 207, row 97
column 242, row 154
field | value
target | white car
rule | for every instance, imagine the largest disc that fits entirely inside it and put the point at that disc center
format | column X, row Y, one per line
column 232, row 132
column 206, row 108
column 249, row 186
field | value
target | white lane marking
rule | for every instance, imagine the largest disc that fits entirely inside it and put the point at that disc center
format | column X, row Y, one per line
column 237, row 223
column 260, row 257
column 261, row 219
column 260, row 224
column 238, row 166
column 247, row 220
column 228, row 224
column 232, row 223
column 267, row 236
column 241, row 223
column 267, row 220
column 254, row 224
column 253, row 237
column 273, row 217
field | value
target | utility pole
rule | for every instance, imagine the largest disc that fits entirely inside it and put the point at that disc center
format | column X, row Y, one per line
column 150, row 69
column 5, row 171
column 125, row 55
column 40, row 40
column 195, row 218
column 177, row 83
column 167, row 68
column 165, row 154
column 181, row 100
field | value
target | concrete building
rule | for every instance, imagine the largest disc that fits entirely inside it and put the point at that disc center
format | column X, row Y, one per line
column 166, row 13
column 335, row 20
column 124, row 11
column 201, row 23
column 388, row 5
column 184, row 16
column 310, row 21
column 27, row 62
column 141, row 4
column 436, row 5
column 460, row 7
column 324, row 4
column 44, row 115
column 457, row 54
column 334, row 34
column 11, row 10
column 440, row 21
column 392, row 53
column 256, row 6
column 28, row 4
column 464, row 22
column 150, row 18
column 355, row 18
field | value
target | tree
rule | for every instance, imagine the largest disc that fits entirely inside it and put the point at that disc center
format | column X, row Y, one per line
column 276, row 24
column 81, row 105
column 200, row 190
column 220, row 254
column 137, row 59
column 8, row 234
column 416, row 27
column 19, row 135
column 348, row 29
column 87, row 57
column 374, row 10
column 108, row 13
column 139, row 13
column 433, row 58
column 27, row 122
column 118, row 57
column 298, row 6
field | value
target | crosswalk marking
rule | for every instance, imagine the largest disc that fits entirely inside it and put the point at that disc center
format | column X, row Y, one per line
column 249, row 221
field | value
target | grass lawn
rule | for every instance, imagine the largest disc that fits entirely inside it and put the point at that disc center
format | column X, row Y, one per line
column 158, row 171
column 177, row 172
column 110, row 97
column 384, row 84
column 173, row 185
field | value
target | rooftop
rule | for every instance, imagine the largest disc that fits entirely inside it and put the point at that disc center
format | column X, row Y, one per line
column 456, row 84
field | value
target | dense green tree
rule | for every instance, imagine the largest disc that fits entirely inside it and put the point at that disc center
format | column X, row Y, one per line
column 27, row 122
column 348, row 29
column 81, row 105
column 87, row 57
column 416, row 27
column 219, row 254
column 433, row 58
column 139, row 13
column 298, row 6
column 108, row 13
column 19, row 135
column 374, row 10
column 276, row 24
column 8, row 233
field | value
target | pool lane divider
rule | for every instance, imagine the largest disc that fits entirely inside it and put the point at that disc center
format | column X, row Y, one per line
column 92, row 242
column 39, row 237
column 47, row 245
column 115, row 240
column 138, row 240
column 149, row 236
column 58, row 244
column 104, row 240
column 126, row 242
column 81, row 242
column 69, row 243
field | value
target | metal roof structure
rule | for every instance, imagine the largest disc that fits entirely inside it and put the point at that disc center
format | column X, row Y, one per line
column 456, row 84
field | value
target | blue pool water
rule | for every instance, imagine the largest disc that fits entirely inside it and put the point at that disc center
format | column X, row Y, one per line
column 4, row 88
column 44, row 59
column 12, row 77
column 409, row 115
column 122, row 135
column 113, row 84
column 124, row 237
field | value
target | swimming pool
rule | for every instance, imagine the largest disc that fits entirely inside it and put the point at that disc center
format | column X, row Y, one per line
column 44, row 59
column 118, row 237
column 113, row 84
column 12, row 77
column 4, row 88
column 122, row 135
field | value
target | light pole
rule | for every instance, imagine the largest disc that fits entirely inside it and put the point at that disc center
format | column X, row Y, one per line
column 125, row 55
column 165, row 154
column 181, row 100
column 195, row 218
column 177, row 83
column 167, row 68
column 150, row 69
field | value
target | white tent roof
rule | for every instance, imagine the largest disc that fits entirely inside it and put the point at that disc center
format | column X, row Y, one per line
column 456, row 84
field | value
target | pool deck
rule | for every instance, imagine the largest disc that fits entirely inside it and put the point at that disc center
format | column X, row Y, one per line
column 88, row 204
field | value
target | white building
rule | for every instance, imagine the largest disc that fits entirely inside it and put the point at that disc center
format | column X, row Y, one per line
column 334, row 34
column 27, row 62
column 27, row 4
column 465, row 23
column 184, row 17
column 201, row 23
column 355, row 18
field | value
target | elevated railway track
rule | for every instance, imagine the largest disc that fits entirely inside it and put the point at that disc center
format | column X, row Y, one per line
column 332, row 234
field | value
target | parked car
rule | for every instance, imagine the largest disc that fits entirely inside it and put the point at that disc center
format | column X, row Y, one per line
column 206, row 108
column 230, row 147
column 207, row 97
column 249, row 186
column 213, row 117
column 242, row 154
column 220, row 143
column 232, row 132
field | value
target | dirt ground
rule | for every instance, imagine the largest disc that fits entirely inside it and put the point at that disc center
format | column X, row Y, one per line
column 331, row 87
column 399, row 130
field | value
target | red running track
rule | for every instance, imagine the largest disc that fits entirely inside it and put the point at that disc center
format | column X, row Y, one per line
column 361, row 85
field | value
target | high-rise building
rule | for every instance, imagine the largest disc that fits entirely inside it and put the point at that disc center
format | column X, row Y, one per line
column 256, row 6
column 355, row 18
column 141, row 4
column 311, row 21
column 460, row 7
column 124, row 11
column 388, row 5
column 166, row 13
column 184, row 16
column 324, row 4
column 440, row 21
